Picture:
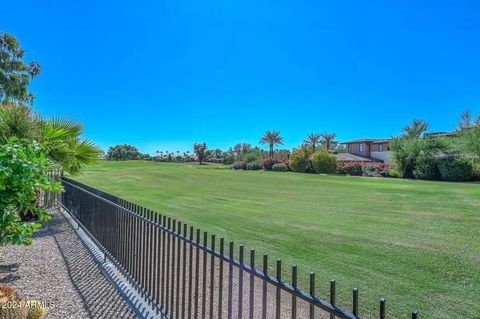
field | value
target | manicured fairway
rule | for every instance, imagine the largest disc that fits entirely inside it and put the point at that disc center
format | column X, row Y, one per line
column 416, row 243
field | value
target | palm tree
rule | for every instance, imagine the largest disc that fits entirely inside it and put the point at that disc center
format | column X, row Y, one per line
column 65, row 148
column 271, row 138
column 313, row 140
column 328, row 141
column 416, row 129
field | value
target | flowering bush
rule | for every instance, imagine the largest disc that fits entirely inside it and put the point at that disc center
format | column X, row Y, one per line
column 269, row 162
column 371, row 169
column 350, row 168
column 375, row 169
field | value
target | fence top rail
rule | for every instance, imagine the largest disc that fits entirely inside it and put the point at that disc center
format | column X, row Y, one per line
column 168, row 224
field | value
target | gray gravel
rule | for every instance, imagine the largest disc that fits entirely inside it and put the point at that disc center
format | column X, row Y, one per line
column 57, row 269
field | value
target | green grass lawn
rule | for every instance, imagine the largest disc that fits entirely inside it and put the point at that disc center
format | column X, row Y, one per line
column 416, row 243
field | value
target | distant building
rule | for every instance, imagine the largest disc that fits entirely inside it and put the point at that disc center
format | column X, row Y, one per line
column 367, row 150
column 375, row 149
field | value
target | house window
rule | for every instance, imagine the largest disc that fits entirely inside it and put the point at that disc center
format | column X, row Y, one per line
column 380, row 147
column 361, row 147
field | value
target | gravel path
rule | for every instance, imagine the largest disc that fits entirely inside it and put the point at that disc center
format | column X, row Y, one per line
column 57, row 269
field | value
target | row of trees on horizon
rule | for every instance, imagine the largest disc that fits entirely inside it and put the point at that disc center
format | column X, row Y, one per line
column 238, row 152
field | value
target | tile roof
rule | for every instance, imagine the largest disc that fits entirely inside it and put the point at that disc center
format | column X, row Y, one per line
column 349, row 157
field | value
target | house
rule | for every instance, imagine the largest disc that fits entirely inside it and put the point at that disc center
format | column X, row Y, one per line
column 367, row 150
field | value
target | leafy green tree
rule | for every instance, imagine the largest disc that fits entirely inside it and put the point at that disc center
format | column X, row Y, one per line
column 18, row 120
column 407, row 150
column 413, row 148
column 200, row 149
column 426, row 166
column 15, row 74
column 123, row 152
column 328, row 141
column 271, row 138
column 23, row 174
column 313, row 140
column 468, row 134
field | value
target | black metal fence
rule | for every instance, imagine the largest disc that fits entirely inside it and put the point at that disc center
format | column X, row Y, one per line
column 184, row 274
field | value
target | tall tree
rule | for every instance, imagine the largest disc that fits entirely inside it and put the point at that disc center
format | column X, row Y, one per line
column 271, row 138
column 200, row 150
column 15, row 75
column 123, row 152
column 468, row 132
column 313, row 140
column 416, row 129
column 328, row 141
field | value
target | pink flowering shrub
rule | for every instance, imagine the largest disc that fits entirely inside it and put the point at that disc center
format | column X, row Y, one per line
column 350, row 168
column 371, row 169
column 269, row 162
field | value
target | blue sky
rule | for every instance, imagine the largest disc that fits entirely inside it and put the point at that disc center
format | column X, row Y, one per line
column 164, row 74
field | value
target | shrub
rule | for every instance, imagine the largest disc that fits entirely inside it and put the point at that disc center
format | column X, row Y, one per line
column 300, row 160
column 377, row 169
column 476, row 171
column 406, row 150
column 239, row 165
column 250, row 157
column 254, row 166
column 394, row 173
column 372, row 170
column 324, row 163
column 269, row 162
column 426, row 167
column 386, row 169
column 280, row 167
column 23, row 175
column 455, row 168
column 350, row 168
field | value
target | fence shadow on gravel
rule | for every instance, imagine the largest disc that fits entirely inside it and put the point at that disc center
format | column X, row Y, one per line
column 184, row 273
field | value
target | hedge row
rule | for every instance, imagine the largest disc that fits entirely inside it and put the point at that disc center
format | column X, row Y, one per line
column 371, row 169
column 266, row 164
column 452, row 168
